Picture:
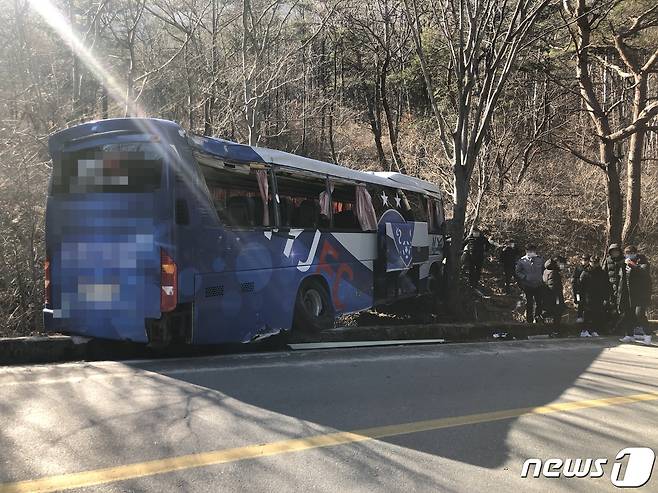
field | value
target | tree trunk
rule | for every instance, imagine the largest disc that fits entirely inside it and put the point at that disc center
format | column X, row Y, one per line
column 634, row 163
column 129, row 108
column 252, row 125
column 304, row 103
column 248, row 111
column 375, row 126
column 457, row 227
column 190, row 92
column 615, row 205
column 390, row 122
column 330, row 130
column 332, row 106
column 75, row 71
column 462, row 190
column 104, row 102
column 211, row 97
column 600, row 123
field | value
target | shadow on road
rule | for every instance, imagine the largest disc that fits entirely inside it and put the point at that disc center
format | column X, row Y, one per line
column 341, row 392
column 119, row 414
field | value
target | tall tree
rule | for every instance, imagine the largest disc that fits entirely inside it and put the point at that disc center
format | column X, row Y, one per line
column 381, row 28
column 482, row 40
column 582, row 19
column 267, row 50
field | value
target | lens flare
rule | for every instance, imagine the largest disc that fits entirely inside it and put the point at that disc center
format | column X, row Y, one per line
column 115, row 89
column 62, row 27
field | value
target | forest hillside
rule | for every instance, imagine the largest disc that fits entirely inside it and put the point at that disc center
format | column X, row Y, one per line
column 537, row 117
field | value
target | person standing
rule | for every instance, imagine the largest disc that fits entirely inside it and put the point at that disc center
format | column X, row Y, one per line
column 614, row 267
column 554, row 301
column 575, row 284
column 508, row 258
column 635, row 295
column 475, row 246
column 529, row 271
column 594, row 293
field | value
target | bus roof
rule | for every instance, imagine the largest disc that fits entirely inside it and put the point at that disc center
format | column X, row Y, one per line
column 408, row 180
column 232, row 151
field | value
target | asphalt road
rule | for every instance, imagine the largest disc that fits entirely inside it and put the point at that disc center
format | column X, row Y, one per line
column 460, row 417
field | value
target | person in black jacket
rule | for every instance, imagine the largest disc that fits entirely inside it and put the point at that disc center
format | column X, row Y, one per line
column 594, row 293
column 575, row 284
column 613, row 265
column 634, row 295
column 508, row 257
column 554, row 300
column 475, row 245
column 529, row 271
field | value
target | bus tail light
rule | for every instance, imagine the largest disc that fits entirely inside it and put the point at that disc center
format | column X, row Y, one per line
column 168, row 282
column 46, row 277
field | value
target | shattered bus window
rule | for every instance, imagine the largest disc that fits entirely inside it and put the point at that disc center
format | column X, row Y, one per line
column 118, row 168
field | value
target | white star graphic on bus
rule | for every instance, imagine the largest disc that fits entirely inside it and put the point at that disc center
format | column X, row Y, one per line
column 397, row 200
column 384, row 198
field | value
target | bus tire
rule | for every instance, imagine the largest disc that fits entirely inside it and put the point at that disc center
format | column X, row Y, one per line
column 314, row 311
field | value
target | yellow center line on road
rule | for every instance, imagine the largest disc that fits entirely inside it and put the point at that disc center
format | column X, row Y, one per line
column 171, row 464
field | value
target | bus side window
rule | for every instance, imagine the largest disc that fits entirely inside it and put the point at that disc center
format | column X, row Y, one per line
column 375, row 191
column 241, row 194
column 417, row 207
column 405, row 206
column 344, row 208
column 385, row 198
column 436, row 216
column 299, row 199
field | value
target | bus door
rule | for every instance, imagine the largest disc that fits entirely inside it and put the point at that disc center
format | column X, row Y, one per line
column 108, row 223
column 233, row 256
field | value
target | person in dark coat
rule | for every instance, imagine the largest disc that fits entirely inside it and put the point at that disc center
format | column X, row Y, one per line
column 475, row 246
column 594, row 294
column 634, row 295
column 529, row 270
column 575, row 284
column 554, row 292
column 614, row 264
column 508, row 257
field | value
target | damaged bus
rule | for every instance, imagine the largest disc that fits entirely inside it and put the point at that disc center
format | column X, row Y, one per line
column 156, row 235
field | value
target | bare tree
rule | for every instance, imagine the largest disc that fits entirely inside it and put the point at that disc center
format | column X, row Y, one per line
column 642, row 111
column 582, row 19
column 131, row 15
column 483, row 39
column 381, row 25
column 266, row 53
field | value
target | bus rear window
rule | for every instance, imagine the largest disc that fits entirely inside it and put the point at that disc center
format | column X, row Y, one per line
column 113, row 168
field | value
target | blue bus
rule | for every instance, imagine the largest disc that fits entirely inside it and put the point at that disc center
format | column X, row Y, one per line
column 156, row 235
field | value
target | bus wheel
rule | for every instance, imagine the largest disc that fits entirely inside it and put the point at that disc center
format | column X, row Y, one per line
column 314, row 311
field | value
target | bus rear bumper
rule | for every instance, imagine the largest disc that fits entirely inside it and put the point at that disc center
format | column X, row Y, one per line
column 98, row 328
